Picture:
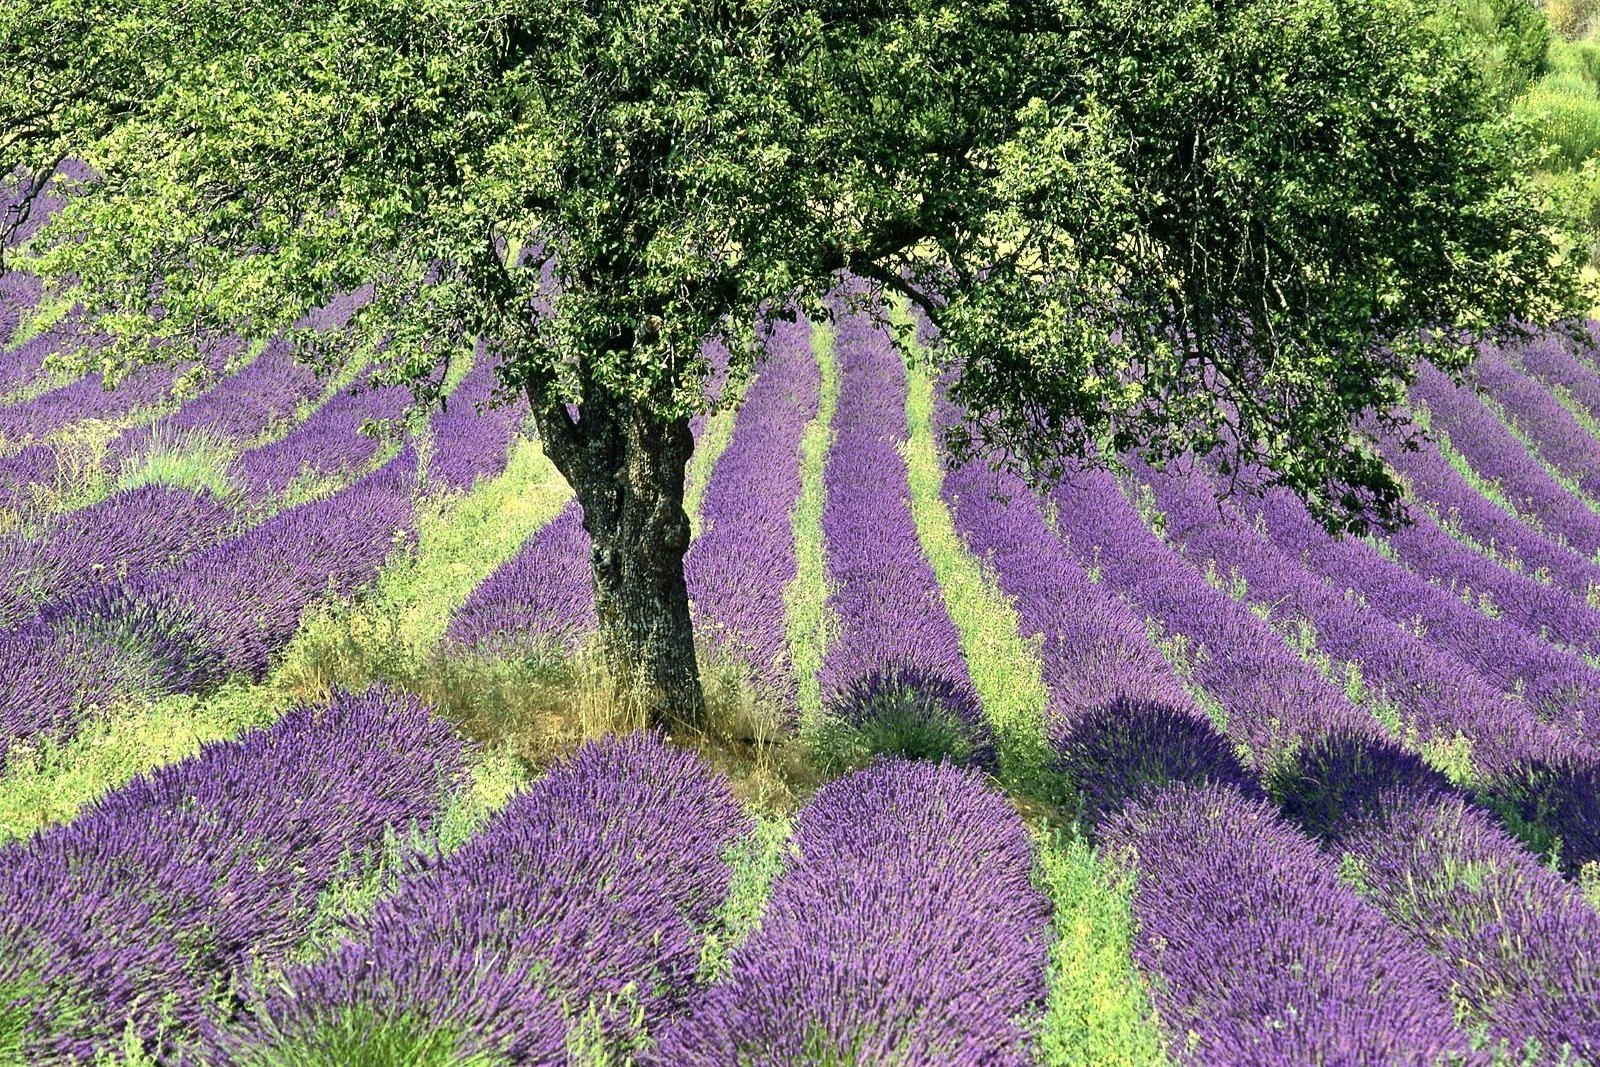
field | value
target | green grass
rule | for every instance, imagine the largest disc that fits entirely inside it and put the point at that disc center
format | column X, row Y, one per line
column 1004, row 666
column 193, row 461
column 47, row 783
column 1097, row 1011
column 806, row 599
column 755, row 862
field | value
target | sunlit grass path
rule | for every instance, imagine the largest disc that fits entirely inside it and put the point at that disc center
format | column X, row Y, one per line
column 1097, row 1010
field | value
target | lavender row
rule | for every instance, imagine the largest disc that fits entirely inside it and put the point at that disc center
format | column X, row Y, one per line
column 903, row 929
column 1495, row 453
column 470, row 438
column 1542, row 610
column 1258, row 953
column 895, row 656
column 1513, row 986
column 88, row 398
column 1125, row 730
column 1435, row 692
column 265, row 394
column 585, row 899
column 1560, row 686
column 1557, row 437
column 328, row 444
column 1461, row 508
column 224, row 613
column 128, row 535
column 743, row 560
column 1551, row 360
column 539, row 599
column 1272, row 697
column 141, row 915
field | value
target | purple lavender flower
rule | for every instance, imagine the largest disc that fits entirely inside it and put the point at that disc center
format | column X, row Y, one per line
column 472, row 440
column 1561, row 687
column 903, row 929
column 1459, row 506
column 327, row 444
column 585, row 899
column 129, row 534
column 1271, row 697
column 1559, row 439
column 144, row 911
column 88, row 398
column 1258, row 954
column 740, row 565
column 892, row 622
column 1518, row 941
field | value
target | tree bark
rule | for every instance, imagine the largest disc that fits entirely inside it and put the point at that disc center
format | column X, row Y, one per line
column 627, row 465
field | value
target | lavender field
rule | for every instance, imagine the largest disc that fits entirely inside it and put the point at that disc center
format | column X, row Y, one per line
column 303, row 760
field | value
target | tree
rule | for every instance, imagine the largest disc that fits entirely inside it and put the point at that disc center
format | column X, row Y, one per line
column 1229, row 227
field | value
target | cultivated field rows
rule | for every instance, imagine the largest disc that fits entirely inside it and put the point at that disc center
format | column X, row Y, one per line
column 1218, row 788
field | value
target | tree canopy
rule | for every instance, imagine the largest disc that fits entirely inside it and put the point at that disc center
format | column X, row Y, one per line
column 1225, row 227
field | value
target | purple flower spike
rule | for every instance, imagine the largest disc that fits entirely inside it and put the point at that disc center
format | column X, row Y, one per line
column 903, row 929
column 892, row 622
column 587, row 896
column 162, row 895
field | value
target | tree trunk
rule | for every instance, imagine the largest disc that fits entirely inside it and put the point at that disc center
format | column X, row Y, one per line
column 627, row 466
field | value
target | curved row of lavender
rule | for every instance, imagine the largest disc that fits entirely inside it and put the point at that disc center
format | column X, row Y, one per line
column 740, row 564
column 1258, row 953
column 540, row 599
column 263, row 395
column 1554, row 434
column 133, row 532
column 1560, row 686
column 87, row 398
column 894, row 652
column 1273, row 699
column 1495, row 453
column 328, row 444
column 1125, row 729
column 225, row 612
column 471, row 438
column 584, row 902
column 904, row 928
column 142, row 915
column 1519, row 758
column 1455, row 504
column 1507, row 939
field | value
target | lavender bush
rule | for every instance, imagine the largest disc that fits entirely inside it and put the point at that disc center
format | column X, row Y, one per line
column 1258, row 953
column 584, row 902
column 1495, row 453
column 225, row 612
column 903, row 929
column 141, row 915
